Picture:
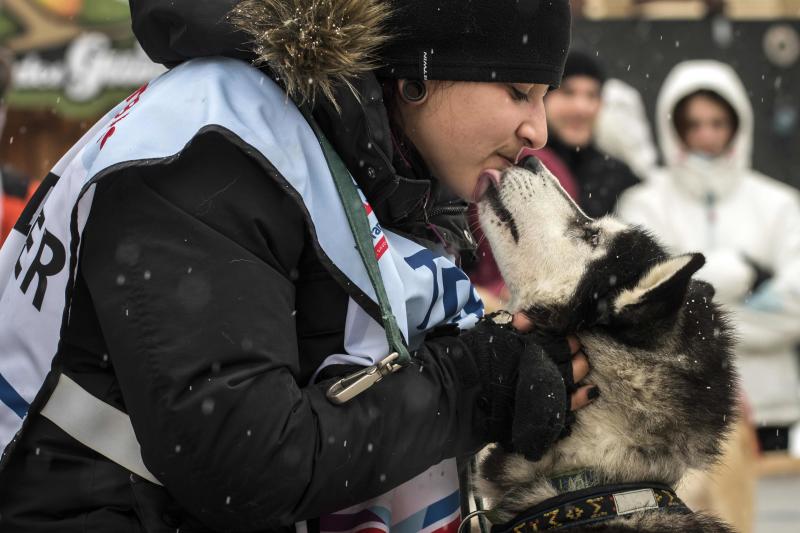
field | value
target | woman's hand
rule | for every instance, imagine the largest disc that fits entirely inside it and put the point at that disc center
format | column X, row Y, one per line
column 580, row 364
column 527, row 381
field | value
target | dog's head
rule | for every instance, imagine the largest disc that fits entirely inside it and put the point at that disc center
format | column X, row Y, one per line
column 568, row 271
column 657, row 344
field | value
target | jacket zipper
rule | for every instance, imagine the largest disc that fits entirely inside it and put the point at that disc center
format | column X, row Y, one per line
column 711, row 218
column 447, row 210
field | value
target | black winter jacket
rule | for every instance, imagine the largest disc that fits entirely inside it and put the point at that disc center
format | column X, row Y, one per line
column 601, row 178
column 202, row 309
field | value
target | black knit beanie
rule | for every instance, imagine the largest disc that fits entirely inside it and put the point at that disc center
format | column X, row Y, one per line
column 582, row 64
column 516, row 41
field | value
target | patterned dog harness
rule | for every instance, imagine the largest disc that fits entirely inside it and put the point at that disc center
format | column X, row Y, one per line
column 593, row 505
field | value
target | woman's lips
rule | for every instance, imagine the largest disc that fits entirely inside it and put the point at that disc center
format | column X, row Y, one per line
column 485, row 180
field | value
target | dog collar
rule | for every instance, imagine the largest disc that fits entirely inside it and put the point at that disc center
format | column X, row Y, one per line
column 592, row 505
column 573, row 481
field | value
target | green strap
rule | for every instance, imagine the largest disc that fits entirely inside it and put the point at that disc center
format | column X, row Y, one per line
column 359, row 226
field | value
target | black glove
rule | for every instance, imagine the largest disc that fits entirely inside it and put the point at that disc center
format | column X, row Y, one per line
column 541, row 404
column 557, row 348
column 524, row 394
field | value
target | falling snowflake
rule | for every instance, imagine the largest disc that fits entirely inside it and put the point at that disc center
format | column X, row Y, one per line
column 207, row 407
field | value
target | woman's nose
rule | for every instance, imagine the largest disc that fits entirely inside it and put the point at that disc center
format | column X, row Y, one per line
column 533, row 129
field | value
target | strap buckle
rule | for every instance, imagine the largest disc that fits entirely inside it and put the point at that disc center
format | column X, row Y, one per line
column 351, row 386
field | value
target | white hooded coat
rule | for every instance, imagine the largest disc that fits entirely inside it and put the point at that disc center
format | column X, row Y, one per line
column 735, row 216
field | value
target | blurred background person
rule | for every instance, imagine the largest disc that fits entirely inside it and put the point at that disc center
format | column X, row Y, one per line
column 572, row 114
column 708, row 198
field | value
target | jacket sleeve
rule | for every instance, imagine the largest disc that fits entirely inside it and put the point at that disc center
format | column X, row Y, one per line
column 189, row 264
column 770, row 318
column 639, row 205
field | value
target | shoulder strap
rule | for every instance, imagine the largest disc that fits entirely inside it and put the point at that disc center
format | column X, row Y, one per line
column 359, row 226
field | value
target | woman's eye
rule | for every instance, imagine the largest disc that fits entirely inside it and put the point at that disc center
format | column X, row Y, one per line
column 518, row 95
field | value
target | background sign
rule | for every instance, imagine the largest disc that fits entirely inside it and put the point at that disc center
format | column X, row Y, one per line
column 77, row 57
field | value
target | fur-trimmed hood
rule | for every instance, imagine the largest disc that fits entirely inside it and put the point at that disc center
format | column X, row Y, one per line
column 310, row 45
column 314, row 45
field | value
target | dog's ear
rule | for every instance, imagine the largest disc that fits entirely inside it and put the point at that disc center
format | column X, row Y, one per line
column 659, row 293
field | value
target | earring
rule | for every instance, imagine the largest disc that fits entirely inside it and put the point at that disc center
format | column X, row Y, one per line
column 413, row 90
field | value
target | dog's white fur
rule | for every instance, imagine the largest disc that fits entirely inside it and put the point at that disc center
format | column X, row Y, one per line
column 552, row 276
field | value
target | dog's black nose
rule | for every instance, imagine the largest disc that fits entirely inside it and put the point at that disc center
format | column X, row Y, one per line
column 531, row 162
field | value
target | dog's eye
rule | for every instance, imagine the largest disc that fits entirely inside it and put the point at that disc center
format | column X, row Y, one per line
column 594, row 238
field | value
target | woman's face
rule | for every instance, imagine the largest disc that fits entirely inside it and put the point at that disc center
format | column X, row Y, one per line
column 572, row 110
column 462, row 129
column 709, row 127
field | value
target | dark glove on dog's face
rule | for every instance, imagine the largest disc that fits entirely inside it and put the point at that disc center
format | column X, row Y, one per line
column 525, row 394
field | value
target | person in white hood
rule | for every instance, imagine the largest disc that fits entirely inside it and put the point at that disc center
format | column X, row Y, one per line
column 707, row 198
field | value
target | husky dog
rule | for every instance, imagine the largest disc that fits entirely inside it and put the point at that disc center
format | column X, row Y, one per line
column 659, row 349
